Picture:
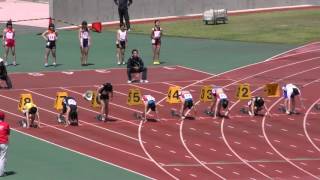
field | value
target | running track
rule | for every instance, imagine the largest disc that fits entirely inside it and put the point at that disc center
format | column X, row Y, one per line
column 277, row 146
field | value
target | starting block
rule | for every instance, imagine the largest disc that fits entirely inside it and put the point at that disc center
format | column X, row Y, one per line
column 138, row 116
column 23, row 123
column 99, row 117
column 61, row 119
column 24, row 99
column 282, row 109
column 208, row 112
column 59, row 98
column 317, row 107
column 174, row 113
column 244, row 111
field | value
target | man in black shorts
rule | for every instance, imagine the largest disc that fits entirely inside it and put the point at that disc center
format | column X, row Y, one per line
column 104, row 94
column 69, row 107
column 4, row 74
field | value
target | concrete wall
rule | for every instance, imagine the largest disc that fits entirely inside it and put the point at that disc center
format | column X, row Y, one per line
column 75, row 11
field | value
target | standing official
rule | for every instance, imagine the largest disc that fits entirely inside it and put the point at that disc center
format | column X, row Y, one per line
column 123, row 11
column 4, row 139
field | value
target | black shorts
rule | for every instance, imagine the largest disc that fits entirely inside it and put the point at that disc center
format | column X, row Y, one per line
column 85, row 43
column 156, row 42
column 121, row 44
column 72, row 108
column 188, row 103
column 152, row 106
column 104, row 97
column 295, row 92
column 51, row 44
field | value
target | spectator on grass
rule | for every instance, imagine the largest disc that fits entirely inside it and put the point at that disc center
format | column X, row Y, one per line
column 156, row 34
column 123, row 11
column 136, row 65
column 290, row 92
column 4, row 140
column 104, row 95
column 4, row 74
column 51, row 37
column 121, row 43
column 85, row 42
column 8, row 42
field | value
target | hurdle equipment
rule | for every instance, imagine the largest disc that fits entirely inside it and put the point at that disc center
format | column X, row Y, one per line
column 173, row 95
column 24, row 99
column 206, row 94
column 272, row 90
column 59, row 98
column 243, row 92
column 134, row 97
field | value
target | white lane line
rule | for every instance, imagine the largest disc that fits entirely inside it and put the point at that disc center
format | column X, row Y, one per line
column 254, row 148
column 294, row 146
column 173, row 152
column 278, row 171
column 234, row 172
column 177, row 169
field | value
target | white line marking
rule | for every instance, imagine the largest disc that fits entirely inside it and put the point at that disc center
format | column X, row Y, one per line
column 294, row 146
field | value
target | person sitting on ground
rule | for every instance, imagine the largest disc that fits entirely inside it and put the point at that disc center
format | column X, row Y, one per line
column 291, row 91
column 220, row 99
column 149, row 105
column 186, row 103
column 136, row 65
column 31, row 113
column 255, row 105
column 4, row 74
column 69, row 108
column 104, row 94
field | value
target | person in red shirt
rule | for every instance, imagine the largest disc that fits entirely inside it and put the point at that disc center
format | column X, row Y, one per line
column 4, row 139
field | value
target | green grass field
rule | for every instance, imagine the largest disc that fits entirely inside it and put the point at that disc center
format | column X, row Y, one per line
column 288, row 27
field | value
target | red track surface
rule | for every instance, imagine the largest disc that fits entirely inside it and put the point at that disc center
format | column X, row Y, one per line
column 242, row 147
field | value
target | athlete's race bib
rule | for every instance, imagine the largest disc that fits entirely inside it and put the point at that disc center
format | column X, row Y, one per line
column 187, row 96
column 9, row 35
column 52, row 37
column 72, row 102
column 157, row 34
column 222, row 96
